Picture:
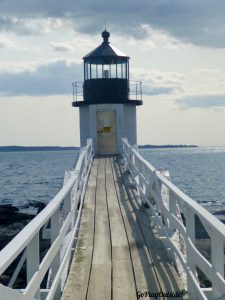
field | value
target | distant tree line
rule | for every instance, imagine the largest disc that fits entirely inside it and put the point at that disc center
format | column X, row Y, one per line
column 35, row 148
column 59, row 148
column 166, row 146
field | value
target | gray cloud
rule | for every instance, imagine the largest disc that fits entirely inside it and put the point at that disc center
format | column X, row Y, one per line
column 54, row 78
column 62, row 47
column 148, row 90
column 159, row 83
column 16, row 25
column 199, row 22
column 202, row 101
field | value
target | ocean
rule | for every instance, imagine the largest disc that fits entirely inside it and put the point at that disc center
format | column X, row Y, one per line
column 36, row 176
column 198, row 172
column 32, row 176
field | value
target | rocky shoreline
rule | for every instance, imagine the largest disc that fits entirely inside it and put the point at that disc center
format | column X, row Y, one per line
column 12, row 221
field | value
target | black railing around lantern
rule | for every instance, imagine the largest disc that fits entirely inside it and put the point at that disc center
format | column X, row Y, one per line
column 134, row 91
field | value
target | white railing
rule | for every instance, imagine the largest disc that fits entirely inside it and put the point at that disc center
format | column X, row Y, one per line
column 174, row 215
column 58, row 222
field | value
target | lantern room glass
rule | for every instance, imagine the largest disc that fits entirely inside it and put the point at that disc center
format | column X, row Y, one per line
column 93, row 70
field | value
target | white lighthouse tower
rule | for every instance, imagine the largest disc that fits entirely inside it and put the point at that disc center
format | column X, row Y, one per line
column 106, row 111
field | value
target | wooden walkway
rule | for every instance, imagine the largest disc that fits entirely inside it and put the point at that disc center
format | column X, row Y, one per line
column 118, row 254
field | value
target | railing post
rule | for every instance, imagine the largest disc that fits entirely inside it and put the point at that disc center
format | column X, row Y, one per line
column 217, row 253
column 55, row 230
column 33, row 260
column 67, row 205
column 176, row 237
column 73, row 91
column 76, row 91
column 190, row 231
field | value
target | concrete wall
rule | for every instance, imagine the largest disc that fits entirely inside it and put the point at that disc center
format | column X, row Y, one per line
column 84, row 125
column 130, row 124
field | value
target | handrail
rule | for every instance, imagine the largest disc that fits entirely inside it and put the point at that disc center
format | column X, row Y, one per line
column 77, row 91
column 174, row 214
column 58, row 222
column 134, row 90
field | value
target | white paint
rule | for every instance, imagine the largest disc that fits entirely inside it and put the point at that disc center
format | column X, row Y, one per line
column 125, row 120
column 64, row 218
column 165, row 201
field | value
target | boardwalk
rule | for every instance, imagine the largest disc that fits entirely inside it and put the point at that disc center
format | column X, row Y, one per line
column 118, row 253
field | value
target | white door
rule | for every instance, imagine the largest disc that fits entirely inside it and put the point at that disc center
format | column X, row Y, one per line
column 106, row 132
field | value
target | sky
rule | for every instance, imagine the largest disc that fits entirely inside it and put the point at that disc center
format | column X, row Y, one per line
column 176, row 48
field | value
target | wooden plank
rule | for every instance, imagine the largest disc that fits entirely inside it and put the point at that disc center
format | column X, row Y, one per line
column 78, row 279
column 166, row 274
column 123, row 283
column 143, row 266
column 100, row 278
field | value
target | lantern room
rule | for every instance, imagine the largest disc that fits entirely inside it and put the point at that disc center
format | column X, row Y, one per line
column 106, row 74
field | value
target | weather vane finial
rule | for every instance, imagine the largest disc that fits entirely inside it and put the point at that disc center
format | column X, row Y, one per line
column 105, row 35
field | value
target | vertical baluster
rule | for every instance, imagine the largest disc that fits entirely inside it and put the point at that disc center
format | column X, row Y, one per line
column 190, row 231
column 149, row 181
column 33, row 260
column 67, row 205
column 55, row 230
column 217, row 252
column 172, row 209
column 176, row 238
column 158, row 202
column 136, row 169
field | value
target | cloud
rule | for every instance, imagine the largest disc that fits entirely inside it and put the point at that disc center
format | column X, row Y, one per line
column 16, row 25
column 52, row 78
column 7, row 43
column 214, row 101
column 62, row 47
column 30, row 26
column 157, row 83
column 198, row 22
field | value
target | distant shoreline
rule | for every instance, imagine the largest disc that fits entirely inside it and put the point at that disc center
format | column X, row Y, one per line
column 166, row 146
column 59, row 148
column 35, row 148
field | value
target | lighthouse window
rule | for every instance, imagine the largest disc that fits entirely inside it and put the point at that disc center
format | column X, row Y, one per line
column 119, row 71
column 87, row 73
column 98, row 71
column 123, row 70
column 106, row 71
column 113, row 71
column 94, row 71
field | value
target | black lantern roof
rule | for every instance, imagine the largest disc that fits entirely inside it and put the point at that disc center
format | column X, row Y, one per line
column 105, row 50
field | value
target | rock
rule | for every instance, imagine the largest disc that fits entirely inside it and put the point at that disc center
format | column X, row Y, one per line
column 12, row 221
column 10, row 214
column 39, row 205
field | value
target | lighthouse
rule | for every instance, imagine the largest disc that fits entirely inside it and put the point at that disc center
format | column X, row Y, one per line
column 107, row 108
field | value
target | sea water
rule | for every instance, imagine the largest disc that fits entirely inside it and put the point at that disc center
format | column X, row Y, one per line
column 198, row 172
column 36, row 176
column 32, row 176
